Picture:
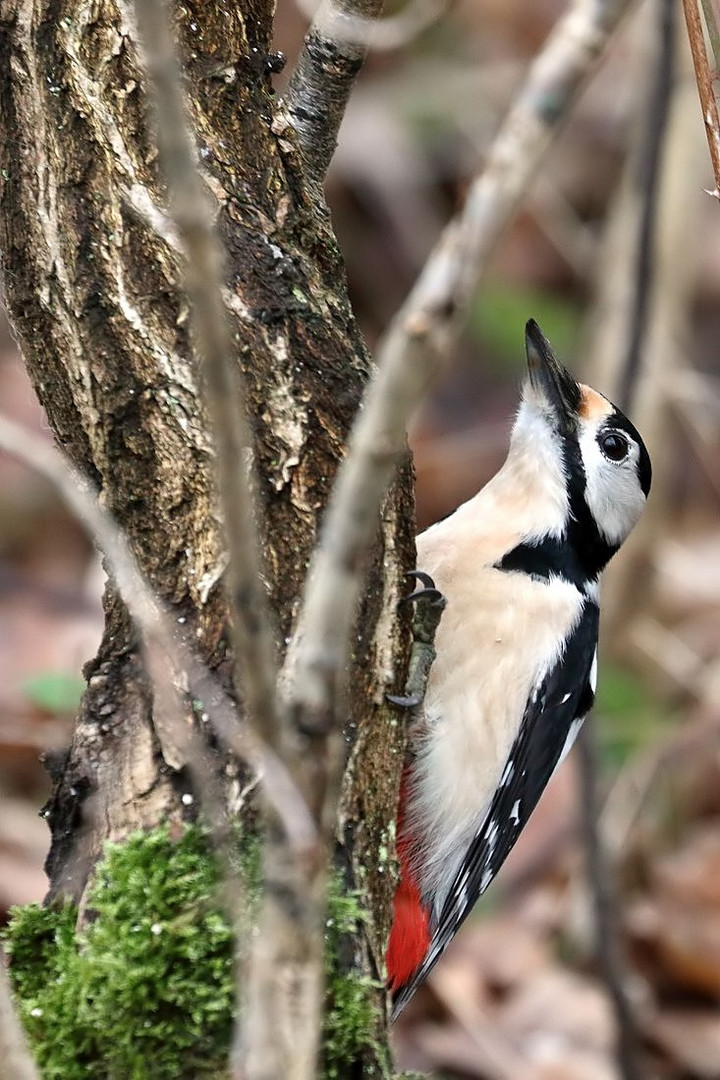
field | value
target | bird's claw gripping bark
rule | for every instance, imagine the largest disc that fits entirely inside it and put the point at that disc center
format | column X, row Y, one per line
column 404, row 701
column 428, row 592
column 429, row 605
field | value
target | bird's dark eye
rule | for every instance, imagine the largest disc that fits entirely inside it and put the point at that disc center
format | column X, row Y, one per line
column 613, row 445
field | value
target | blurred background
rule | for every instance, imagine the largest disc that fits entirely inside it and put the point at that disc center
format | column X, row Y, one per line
column 616, row 246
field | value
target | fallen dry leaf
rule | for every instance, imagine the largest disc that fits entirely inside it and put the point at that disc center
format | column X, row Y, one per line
column 676, row 926
column 502, row 952
column 558, row 1007
column 690, row 1037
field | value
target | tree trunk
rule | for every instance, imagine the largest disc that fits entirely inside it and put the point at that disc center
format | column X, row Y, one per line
column 93, row 283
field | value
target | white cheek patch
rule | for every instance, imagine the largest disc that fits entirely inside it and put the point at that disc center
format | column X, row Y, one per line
column 612, row 493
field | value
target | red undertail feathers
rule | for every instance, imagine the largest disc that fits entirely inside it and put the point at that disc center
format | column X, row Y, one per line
column 410, row 933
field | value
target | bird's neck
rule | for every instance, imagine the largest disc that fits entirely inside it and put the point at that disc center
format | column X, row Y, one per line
column 557, row 535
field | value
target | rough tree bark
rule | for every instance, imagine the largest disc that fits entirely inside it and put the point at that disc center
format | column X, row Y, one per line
column 93, row 278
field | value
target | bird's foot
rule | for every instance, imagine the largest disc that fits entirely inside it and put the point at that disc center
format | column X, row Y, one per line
column 429, row 605
column 428, row 592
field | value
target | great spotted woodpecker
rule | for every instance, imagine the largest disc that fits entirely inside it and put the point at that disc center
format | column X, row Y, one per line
column 515, row 673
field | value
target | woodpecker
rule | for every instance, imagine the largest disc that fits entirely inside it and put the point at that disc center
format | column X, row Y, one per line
column 516, row 650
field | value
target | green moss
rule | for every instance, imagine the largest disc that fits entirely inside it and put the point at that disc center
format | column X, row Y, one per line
column 351, row 1033
column 145, row 991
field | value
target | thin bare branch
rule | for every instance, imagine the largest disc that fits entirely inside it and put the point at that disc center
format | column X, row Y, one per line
column 641, row 317
column 653, row 135
column 335, row 46
column 412, row 352
column 17, row 1062
column 704, row 76
column 605, row 924
column 191, row 210
column 352, row 22
column 281, row 988
column 161, row 636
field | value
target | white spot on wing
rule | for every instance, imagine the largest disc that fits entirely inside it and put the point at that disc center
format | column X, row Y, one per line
column 491, row 832
column 566, row 698
column 486, row 879
column 515, row 812
column 570, row 739
column 507, row 773
column 593, row 673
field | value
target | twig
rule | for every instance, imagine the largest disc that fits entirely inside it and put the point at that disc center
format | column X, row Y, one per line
column 411, row 354
column 299, row 833
column 278, row 1027
column 253, row 641
column 600, row 876
column 333, row 52
column 708, row 101
column 17, row 1062
column 158, row 632
column 655, row 128
column 606, row 933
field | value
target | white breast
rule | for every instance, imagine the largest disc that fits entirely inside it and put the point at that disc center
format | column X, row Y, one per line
column 499, row 635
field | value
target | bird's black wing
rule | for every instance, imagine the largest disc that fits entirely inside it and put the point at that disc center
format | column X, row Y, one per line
column 553, row 715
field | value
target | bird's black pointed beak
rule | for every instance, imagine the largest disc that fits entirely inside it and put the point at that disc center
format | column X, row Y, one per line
column 551, row 379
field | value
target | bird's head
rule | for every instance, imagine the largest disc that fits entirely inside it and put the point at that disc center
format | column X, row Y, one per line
column 602, row 466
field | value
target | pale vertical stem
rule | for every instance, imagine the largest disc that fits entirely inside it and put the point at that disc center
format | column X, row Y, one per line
column 281, row 988
column 191, row 209
column 641, row 318
column 15, row 1057
column 704, row 77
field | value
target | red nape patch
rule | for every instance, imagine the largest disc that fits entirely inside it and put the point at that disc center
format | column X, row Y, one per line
column 409, row 937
